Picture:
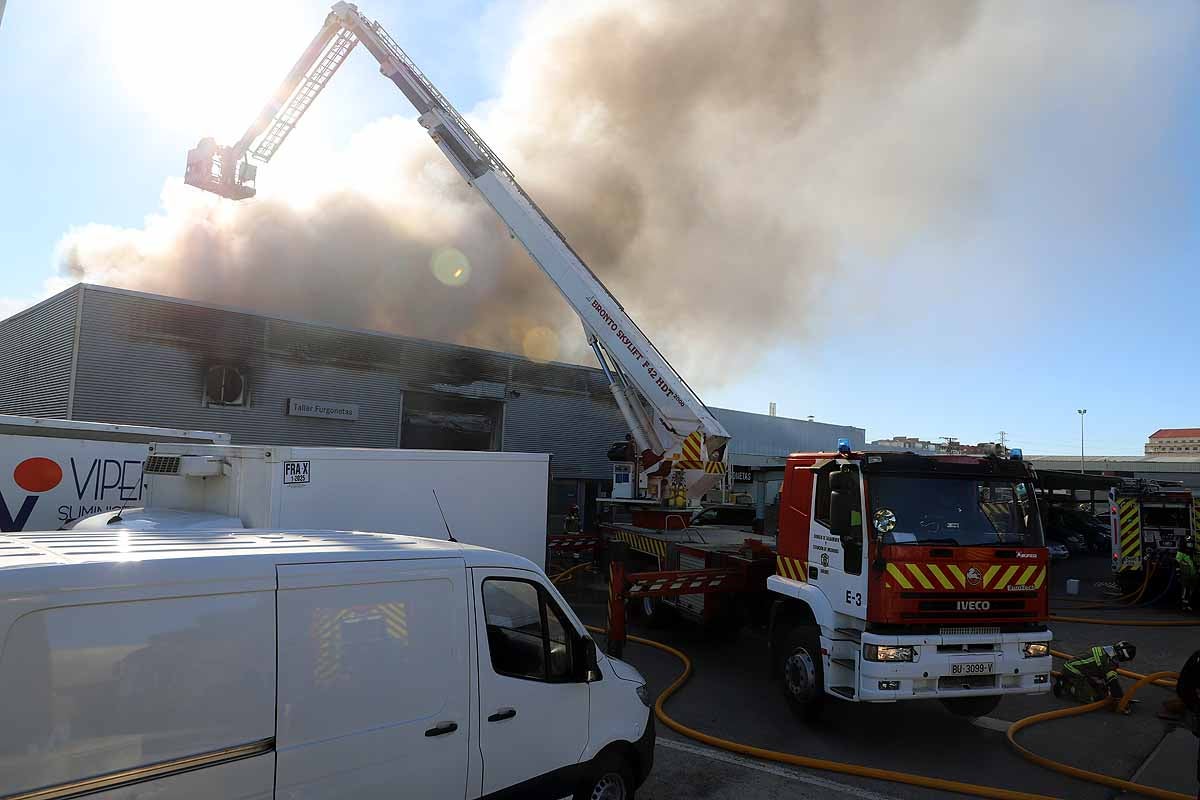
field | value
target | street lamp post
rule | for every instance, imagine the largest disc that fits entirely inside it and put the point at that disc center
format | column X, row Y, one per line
column 1081, row 411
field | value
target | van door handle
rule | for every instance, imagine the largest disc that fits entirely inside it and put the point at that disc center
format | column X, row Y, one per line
column 503, row 714
column 442, row 728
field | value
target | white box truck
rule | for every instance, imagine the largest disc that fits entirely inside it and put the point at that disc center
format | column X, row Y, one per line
column 496, row 500
column 257, row 665
column 53, row 471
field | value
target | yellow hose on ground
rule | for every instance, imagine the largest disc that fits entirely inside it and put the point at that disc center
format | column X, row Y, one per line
column 1154, row 678
column 1133, row 597
column 908, row 778
column 1083, row 774
column 567, row 574
column 808, row 762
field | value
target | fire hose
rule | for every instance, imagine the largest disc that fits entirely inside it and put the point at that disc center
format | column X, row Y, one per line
column 1162, row 679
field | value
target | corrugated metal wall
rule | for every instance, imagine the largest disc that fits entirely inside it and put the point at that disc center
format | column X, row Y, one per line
column 142, row 360
column 762, row 435
column 35, row 358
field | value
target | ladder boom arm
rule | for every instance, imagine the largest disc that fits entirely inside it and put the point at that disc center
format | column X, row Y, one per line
column 676, row 413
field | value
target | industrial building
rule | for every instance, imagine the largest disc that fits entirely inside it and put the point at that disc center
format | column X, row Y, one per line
column 112, row 355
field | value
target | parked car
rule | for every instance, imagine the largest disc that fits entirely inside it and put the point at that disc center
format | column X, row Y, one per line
column 1072, row 540
column 1094, row 535
column 1058, row 551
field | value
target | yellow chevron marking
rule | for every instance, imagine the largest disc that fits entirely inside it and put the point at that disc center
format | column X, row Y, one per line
column 790, row 568
column 987, row 576
column 958, row 574
column 1006, row 577
column 920, row 576
column 1025, row 576
column 691, row 446
column 895, row 572
column 1037, row 583
column 942, row 579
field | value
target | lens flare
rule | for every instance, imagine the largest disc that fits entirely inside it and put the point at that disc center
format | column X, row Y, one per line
column 540, row 344
column 450, row 266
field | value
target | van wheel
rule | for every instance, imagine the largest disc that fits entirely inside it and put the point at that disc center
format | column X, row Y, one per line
column 613, row 781
column 803, row 672
column 972, row 706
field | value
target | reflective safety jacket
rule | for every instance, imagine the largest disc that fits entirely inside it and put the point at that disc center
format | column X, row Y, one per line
column 1187, row 566
column 1098, row 665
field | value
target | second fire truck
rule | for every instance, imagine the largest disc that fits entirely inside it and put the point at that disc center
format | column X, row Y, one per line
column 1150, row 521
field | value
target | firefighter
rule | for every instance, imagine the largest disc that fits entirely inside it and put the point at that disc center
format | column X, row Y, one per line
column 1185, row 568
column 1094, row 677
column 571, row 523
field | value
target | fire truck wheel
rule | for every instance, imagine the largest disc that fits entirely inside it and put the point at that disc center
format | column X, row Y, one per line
column 972, row 706
column 802, row 671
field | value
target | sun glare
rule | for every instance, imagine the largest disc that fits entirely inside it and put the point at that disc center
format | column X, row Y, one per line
column 205, row 67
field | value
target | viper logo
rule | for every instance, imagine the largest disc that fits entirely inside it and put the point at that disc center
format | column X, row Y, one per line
column 34, row 475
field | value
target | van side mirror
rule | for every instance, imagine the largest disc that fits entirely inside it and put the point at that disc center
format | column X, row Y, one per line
column 841, row 496
column 586, row 668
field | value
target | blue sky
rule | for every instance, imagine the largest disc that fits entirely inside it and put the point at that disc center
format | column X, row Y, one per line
column 1074, row 284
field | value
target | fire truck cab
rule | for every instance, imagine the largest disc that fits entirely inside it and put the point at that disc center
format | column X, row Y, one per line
column 901, row 576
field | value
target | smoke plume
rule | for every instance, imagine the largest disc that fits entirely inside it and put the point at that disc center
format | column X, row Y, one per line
column 716, row 163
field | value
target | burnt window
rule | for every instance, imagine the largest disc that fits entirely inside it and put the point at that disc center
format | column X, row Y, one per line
column 446, row 422
column 224, row 386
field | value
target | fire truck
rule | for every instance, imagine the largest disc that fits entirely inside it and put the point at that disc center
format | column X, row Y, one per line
column 1150, row 521
column 892, row 576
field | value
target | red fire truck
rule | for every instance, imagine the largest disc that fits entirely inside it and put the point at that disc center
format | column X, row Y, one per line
column 895, row 576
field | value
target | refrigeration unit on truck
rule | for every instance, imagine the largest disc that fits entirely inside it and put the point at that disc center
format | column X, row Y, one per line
column 1150, row 521
column 489, row 499
column 53, row 471
column 318, row 666
column 893, row 576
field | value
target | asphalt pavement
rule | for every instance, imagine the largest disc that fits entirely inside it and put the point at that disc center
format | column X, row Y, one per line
column 730, row 695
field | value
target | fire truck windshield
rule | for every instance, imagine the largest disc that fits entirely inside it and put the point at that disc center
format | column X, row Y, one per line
column 954, row 511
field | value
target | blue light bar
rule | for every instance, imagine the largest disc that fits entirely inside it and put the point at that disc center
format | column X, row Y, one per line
column 844, row 446
column 1015, row 454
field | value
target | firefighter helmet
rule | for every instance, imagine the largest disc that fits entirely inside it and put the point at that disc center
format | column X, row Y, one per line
column 1124, row 651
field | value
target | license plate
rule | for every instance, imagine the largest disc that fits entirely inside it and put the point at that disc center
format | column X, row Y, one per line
column 972, row 668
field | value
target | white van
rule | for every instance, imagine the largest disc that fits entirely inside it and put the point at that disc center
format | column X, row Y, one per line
column 302, row 666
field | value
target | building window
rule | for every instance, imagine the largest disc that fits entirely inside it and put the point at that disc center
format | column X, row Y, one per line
column 225, row 386
column 448, row 422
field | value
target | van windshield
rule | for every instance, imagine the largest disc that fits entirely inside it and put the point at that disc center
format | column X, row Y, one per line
column 954, row 511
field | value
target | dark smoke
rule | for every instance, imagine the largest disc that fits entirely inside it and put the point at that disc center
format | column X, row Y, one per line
column 711, row 160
